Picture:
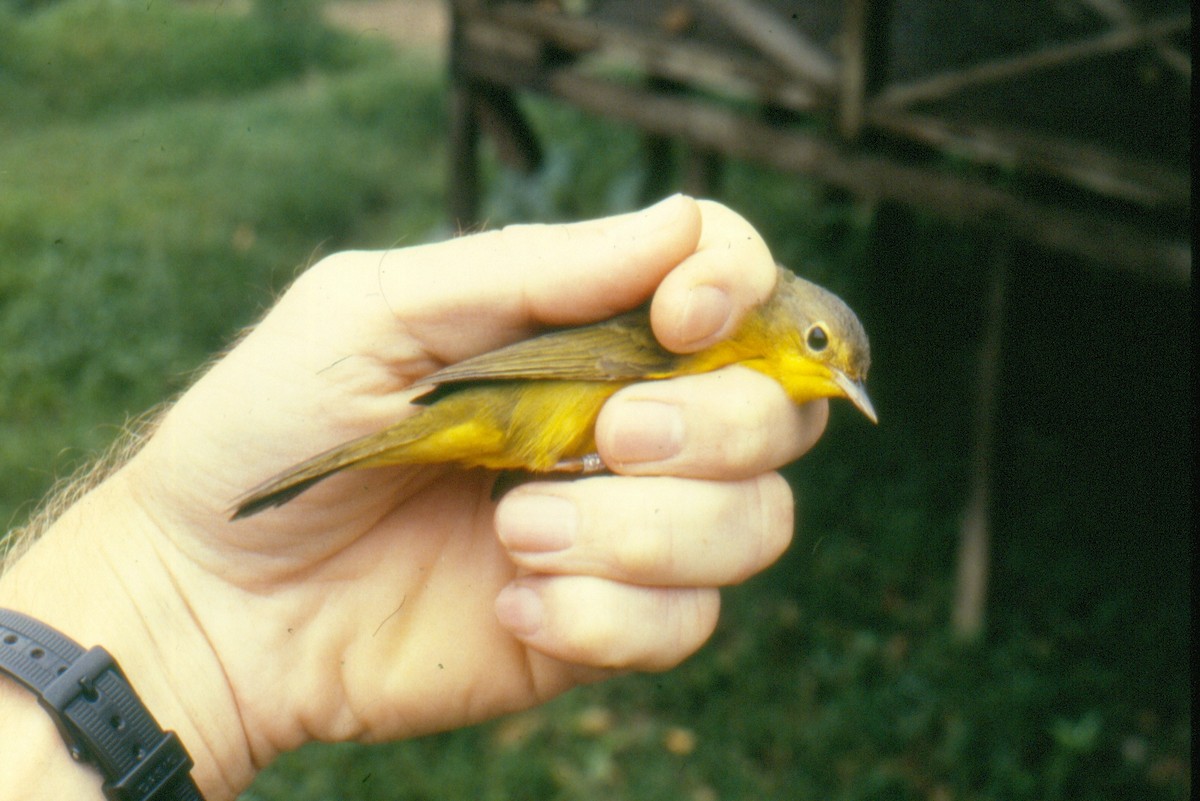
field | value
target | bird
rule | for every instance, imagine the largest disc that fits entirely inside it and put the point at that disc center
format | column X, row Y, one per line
column 532, row 405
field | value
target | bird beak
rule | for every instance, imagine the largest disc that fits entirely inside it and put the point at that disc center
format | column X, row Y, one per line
column 856, row 393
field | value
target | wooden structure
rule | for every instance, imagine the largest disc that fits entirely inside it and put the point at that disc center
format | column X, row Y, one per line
column 1065, row 124
column 1072, row 132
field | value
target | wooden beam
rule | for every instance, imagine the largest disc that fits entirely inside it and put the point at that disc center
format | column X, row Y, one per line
column 515, row 27
column 1097, row 170
column 778, row 38
column 950, row 83
column 1120, row 14
column 1103, row 239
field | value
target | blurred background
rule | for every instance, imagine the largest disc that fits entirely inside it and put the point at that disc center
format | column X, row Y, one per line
column 166, row 168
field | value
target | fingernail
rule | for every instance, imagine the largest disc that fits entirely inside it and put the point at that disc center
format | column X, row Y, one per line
column 705, row 313
column 532, row 522
column 645, row 431
column 519, row 609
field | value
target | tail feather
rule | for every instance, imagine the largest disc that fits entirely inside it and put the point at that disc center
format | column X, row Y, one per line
column 363, row 452
column 257, row 502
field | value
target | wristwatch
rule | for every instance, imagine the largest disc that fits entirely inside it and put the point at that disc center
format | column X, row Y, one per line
column 97, row 712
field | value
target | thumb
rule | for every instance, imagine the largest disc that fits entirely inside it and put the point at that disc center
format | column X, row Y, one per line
column 482, row 291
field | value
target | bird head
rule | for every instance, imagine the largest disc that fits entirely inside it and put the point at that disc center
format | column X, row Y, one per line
column 826, row 353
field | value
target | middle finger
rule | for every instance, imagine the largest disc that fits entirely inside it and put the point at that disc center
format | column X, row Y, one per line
column 656, row 531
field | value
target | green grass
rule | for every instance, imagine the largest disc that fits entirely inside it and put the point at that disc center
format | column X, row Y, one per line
column 137, row 238
column 164, row 176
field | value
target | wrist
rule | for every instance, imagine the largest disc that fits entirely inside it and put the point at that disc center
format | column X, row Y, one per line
column 102, row 575
column 34, row 762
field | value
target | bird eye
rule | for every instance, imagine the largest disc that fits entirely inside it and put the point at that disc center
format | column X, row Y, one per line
column 817, row 339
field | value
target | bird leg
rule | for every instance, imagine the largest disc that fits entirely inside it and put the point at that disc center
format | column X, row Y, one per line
column 588, row 463
column 585, row 465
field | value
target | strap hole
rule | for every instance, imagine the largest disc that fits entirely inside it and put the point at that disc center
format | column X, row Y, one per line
column 36, row 653
column 10, row 639
column 117, row 722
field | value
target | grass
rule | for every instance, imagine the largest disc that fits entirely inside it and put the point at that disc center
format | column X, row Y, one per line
column 138, row 238
column 159, row 187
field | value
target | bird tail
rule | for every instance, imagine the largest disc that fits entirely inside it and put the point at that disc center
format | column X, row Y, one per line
column 268, row 497
column 367, row 451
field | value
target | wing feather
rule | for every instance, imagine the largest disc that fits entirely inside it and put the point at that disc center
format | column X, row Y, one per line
column 620, row 349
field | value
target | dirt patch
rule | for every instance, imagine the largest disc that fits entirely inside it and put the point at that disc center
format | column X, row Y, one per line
column 407, row 23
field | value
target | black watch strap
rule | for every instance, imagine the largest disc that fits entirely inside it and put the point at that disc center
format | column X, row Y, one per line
column 99, row 715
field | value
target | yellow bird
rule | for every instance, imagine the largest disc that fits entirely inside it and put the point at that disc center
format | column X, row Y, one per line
column 532, row 405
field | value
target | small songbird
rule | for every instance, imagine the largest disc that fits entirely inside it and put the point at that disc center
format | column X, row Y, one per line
column 532, row 406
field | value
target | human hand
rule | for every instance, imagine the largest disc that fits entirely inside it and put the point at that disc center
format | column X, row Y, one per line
column 392, row 602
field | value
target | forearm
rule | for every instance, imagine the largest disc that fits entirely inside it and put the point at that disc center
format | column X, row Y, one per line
column 99, row 576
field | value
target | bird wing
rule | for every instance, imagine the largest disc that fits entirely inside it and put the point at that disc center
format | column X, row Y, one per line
column 620, row 349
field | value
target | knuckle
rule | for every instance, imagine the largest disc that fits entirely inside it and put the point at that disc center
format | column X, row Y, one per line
column 737, row 434
column 598, row 638
column 691, row 617
column 776, row 510
column 642, row 551
column 763, row 512
column 735, row 421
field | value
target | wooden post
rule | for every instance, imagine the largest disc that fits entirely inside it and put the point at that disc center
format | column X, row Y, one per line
column 970, row 594
column 501, row 121
column 866, row 36
column 658, row 158
column 701, row 171
column 463, row 189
